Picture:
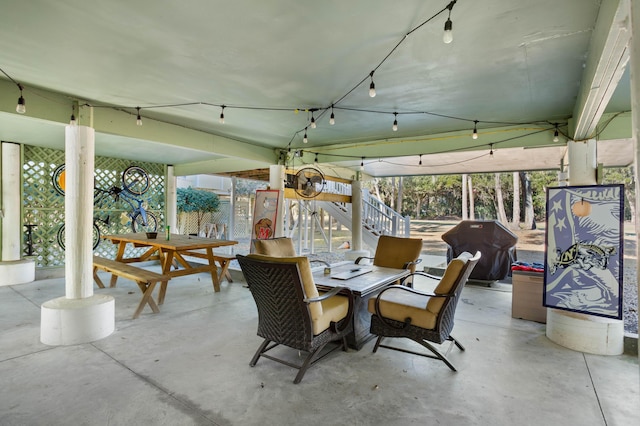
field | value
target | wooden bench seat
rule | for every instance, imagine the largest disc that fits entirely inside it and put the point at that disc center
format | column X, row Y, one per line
column 145, row 279
column 224, row 260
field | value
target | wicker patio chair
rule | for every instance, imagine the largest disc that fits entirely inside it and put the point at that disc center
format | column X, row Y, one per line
column 292, row 313
column 398, row 253
column 423, row 317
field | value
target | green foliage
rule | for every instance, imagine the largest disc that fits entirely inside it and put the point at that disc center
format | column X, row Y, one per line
column 197, row 200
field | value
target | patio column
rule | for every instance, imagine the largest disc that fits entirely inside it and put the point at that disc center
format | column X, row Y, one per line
column 634, row 47
column 171, row 200
column 356, row 222
column 276, row 181
column 582, row 332
column 13, row 269
column 79, row 316
column 232, row 210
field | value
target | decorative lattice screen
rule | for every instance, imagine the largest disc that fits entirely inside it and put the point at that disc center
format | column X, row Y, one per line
column 44, row 207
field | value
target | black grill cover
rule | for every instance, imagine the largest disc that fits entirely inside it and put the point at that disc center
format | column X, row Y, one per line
column 491, row 238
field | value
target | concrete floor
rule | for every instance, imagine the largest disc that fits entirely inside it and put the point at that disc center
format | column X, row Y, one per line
column 189, row 365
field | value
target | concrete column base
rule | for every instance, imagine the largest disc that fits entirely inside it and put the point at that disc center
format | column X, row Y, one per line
column 354, row 254
column 17, row 271
column 73, row 321
column 585, row 333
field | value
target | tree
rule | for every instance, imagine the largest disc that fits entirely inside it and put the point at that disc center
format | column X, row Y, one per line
column 199, row 201
column 502, row 216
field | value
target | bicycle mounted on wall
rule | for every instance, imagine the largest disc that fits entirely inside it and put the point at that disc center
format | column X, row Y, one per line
column 135, row 181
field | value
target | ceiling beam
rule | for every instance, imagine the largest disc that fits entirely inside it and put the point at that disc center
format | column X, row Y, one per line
column 608, row 57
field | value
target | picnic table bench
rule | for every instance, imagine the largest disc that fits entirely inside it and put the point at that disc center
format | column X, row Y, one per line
column 145, row 279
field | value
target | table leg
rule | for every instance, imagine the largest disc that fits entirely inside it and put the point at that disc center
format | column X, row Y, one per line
column 167, row 261
column 214, row 270
column 119, row 255
column 147, row 297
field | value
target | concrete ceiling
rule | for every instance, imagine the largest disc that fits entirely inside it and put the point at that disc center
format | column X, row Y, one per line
column 517, row 67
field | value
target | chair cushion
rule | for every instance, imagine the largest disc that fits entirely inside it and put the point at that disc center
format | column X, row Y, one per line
column 398, row 304
column 394, row 252
column 450, row 277
column 306, row 276
column 333, row 309
column 277, row 247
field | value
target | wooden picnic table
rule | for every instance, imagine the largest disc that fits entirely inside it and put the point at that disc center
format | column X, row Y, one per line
column 169, row 251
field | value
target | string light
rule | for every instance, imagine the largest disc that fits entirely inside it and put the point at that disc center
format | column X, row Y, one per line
column 555, row 134
column 332, row 119
column 304, row 138
column 475, row 129
column 21, row 108
column 72, row 120
column 395, row 122
column 313, row 121
column 447, row 36
column 138, row 119
column 222, row 114
column 372, row 86
column 420, row 162
column 491, row 151
column 362, row 164
column 316, row 159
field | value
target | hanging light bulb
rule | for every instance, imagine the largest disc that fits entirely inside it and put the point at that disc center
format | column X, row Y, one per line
column 304, row 138
column 316, row 159
column 475, row 129
column 332, row 119
column 420, row 162
column 313, row 121
column 138, row 119
column 362, row 164
column 395, row 122
column 21, row 108
column 491, row 151
column 372, row 87
column 222, row 114
column 72, row 120
column 555, row 134
column 447, row 37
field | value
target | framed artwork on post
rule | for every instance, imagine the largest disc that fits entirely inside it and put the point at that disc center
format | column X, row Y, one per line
column 265, row 213
column 584, row 249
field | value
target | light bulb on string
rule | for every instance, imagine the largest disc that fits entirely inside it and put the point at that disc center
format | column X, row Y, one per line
column 139, row 118
column 555, row 134
column 332, row 119
column 222, row 114
column 316, row 159
column 21, row 108
column 313, row 121
column 372, row 87
column 447, row 36
column 72, row 119
column 304, row 138
column 395, row 122
column 475, row 129
column 420, row 162
column 491, row 151
column 362, row 164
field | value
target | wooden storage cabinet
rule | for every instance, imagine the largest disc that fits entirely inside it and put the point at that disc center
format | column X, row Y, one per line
column 526, row 301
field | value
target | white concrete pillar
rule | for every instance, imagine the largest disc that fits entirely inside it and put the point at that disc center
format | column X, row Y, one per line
column 356, row 222
column 276, row 181
column 80, row 316
column 581, row 332
column 171, row 200
column 13, row 269
column 634, row 47
column 232, row 210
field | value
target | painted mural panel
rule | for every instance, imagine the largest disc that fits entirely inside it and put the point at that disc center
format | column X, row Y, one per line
column 584, row 249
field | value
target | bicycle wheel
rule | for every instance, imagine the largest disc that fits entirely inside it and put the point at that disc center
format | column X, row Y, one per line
column 96, row 236
column 57, row 179
column 138, row 225
column 135, row 180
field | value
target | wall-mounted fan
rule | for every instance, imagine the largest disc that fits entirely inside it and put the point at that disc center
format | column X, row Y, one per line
column 308, row 182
